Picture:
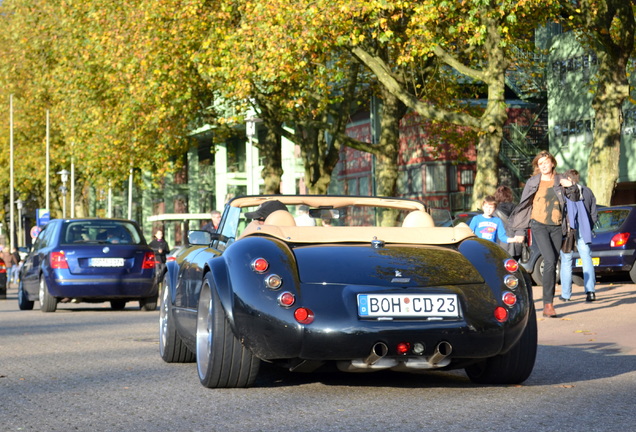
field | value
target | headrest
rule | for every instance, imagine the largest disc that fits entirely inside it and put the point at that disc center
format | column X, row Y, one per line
column 280, row 218
column 418, row 219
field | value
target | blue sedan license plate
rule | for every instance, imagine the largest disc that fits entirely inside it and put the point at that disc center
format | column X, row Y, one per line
column 595, row 261
column 408, row 305
column 106, row 262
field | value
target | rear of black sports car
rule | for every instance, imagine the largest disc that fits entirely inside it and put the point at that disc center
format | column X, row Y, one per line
column 376, row 306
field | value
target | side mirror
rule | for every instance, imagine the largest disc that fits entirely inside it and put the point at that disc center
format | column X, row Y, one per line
column 202, row 238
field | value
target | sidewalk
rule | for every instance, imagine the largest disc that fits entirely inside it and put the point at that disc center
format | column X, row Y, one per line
column 607, row 323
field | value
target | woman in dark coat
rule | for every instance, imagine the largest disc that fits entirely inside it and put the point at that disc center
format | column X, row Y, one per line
column 542, row 209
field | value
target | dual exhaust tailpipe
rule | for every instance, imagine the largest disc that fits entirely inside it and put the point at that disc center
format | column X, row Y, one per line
column 380, row 350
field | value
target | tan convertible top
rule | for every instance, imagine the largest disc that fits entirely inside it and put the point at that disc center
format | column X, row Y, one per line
column 346, row 234
column 329, row 200
column 283, row 226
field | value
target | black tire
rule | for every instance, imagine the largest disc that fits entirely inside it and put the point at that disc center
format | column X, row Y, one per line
column 578, row 280
column 222, row 361
column 632, row 273
column 171, row 346
column 23, row 299
column 48, row 303
column 118, row 305
column 515, row 366
column 537, row 272
column 148, row 304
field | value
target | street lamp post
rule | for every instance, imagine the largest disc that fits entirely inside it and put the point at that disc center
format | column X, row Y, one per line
column 20, row 205
column 64, row 175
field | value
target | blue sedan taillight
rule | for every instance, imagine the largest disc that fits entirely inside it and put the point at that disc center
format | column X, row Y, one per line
column 58, row 260
column 149, row 261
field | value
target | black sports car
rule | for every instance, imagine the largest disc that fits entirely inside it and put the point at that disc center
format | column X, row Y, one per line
column 371, row 285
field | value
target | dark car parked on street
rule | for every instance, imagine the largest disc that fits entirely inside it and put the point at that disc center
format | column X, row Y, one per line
column 613, row 244
column 89, row 260
column 377, row 288
column 3, row 279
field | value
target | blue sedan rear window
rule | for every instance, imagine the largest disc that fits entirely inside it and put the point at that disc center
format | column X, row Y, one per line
column 610, row 220
column 100, row 231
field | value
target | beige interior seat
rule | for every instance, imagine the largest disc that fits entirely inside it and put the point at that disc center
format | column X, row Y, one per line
column 418, row 219
column 280, row 218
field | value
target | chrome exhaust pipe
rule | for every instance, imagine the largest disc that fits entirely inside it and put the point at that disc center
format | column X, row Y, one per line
column 442, row 350
column 378, row 351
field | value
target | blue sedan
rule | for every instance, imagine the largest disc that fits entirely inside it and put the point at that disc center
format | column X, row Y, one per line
column 613, row 244
column 89, row 260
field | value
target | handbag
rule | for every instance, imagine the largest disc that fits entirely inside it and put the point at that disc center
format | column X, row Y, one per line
column 569, row 241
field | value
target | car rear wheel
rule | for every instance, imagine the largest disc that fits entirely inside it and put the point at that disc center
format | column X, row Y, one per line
column 23, row 299
column 118, row 305
column 578, row 280
column 632, row 273
column 48, row 303
column 222, row 361
column 537, row 272
column 171, row 346
column 516, row 365
column 148, row 304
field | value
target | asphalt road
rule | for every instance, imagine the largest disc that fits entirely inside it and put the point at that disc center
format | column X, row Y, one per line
column 87, row 368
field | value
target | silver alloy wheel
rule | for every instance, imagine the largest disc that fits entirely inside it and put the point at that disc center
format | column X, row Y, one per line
column 163, row 321
column 204, row 331
column 42, row 291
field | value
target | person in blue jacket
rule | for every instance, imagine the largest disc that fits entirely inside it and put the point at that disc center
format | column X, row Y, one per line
column 581, row 217
column 487, row 226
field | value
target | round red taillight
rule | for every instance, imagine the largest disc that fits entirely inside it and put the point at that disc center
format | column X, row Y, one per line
column 511, row 265
column 260, row 265
column 286, row 299
column 509, row 299
column 501, row 314
column 403, row 347
column 304, row 315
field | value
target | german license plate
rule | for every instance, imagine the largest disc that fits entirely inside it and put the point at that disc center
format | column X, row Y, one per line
column 407, row 305
column 595, row 261
column 106, row 262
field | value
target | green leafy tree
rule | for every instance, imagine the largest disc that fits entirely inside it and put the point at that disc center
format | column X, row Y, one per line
column 608, row 28
column 472, row 38
column 118, row 79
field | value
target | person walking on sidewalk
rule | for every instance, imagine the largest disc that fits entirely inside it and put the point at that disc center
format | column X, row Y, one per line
column 542, row 209
column 581, row 215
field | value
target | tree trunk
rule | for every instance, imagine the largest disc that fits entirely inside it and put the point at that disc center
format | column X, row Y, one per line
column 605, row 153
column 614, row 29
column 492, row 121
column 270, row 151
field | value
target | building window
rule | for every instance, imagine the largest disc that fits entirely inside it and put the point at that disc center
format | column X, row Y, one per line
column 467, row 177
column 436, row 178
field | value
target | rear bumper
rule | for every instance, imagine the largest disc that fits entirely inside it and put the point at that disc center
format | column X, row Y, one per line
column 338, row 333
column 609, row 261
column 128, row 287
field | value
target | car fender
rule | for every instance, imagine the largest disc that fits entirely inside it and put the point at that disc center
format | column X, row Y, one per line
column 252, row 308
column 172, row 270
column 488, row 258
